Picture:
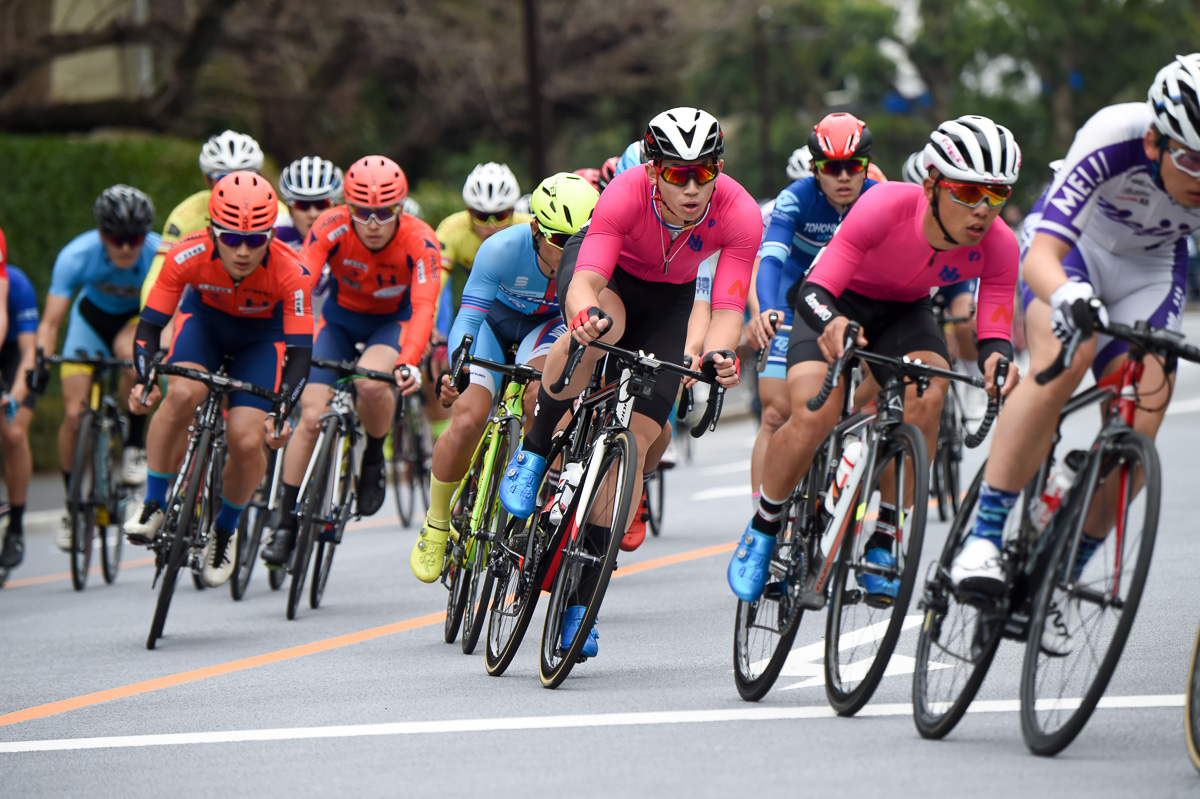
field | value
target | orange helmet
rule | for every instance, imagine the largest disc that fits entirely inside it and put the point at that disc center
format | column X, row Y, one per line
column 243, row 201
column 375, row 181
column 876, row 174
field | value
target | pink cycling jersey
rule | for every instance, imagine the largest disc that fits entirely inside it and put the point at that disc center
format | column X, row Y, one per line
column 880, row 251
column 626, row 232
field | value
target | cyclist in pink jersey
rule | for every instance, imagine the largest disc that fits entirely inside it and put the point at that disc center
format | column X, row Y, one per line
column 898, row 242
column 629, row 279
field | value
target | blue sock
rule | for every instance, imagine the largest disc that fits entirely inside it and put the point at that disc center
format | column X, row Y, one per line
column 228, row 516
column 994, row 506
column 157, row 484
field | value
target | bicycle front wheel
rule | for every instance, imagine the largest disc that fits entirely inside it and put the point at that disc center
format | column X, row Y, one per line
column 250, row 530
column 116, row 499
column 1086, row 605
column 179, row 536
column 82, row 501
column 1191, row 707
column 331, row 532
column 654, row 501
column 958, row 638
column 589, row 554
column 870, row 591
column 311, row 518
column 493, row 523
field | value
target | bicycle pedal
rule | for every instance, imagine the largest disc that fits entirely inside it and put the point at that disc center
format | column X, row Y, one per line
column 774, row 591
column 811, row 600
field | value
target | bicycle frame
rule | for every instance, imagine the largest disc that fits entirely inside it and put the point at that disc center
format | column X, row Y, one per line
column 341, row 408
column 511, row 406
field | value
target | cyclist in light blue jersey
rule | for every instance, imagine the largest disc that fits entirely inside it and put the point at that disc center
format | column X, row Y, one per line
column 107, row 267
column 16, row 358
column 804, row 218
column 634, row 155
column 509, row 300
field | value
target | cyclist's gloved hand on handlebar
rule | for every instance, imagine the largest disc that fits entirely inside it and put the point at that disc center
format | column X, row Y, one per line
column 590, row 324
column 1071, row 311
column 721, row 365
column 278, row 428
column 408, row 379
column 38, row 378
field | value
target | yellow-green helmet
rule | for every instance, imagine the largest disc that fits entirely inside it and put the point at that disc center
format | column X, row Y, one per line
column 562, row 203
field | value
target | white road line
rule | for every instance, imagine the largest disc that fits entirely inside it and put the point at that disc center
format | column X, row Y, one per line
column 1185, row 406
column 721, row 492
column 748, row 713
column 725, row 468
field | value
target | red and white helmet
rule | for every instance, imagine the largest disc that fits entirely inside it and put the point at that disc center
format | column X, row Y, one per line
column 839, row 136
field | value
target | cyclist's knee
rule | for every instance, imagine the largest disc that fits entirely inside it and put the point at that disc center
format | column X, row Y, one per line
column 184, row 396
column 373, row 393
column 773, row 417
column 244, row 439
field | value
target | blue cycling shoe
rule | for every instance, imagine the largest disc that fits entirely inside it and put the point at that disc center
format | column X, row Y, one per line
column 748, row 570
column 878, row 587
column 518, row 487
column 572, row 616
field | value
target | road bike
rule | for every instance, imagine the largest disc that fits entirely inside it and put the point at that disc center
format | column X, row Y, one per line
column 477, row 517
column 98, row 499
column 599, row 447
column 945, row 482
column 189, row 509
column 329, row 489
column 1116, row 486
column 412, row 449
column 261, row 512
column 821, row 558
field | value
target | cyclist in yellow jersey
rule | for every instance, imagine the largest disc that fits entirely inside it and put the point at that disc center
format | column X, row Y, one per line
column 224, row 153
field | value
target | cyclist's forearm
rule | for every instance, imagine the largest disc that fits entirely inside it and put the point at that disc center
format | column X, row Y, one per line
column 989, row 345
column 1042, row 266
column 295, row 373
column 724, row 331
column 816, row 306
column 584, row 292
column 145, row 347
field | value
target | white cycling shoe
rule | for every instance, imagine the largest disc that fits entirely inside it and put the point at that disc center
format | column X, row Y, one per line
column 1062, row 623
column 977, row 567
column 64, row 537
column 141, row 527
column 218, row 558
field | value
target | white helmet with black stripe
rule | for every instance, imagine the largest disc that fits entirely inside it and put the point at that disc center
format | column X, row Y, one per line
column 1175, row 99
column 310, row 178
column 684, row 134
column 974, row 149
column 914, row 170
column 230, row 152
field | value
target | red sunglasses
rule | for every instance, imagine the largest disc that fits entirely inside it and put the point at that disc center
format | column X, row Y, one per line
column 832, row 166
column 680, row 175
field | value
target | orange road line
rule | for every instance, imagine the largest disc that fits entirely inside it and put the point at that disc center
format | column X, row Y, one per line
column 53, row 578
column 171, row 680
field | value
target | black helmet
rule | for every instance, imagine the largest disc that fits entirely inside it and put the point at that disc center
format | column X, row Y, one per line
column 124, row 211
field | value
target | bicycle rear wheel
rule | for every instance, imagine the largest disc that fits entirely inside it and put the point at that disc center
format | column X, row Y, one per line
column 958, row 638
column 116, row 499
column 331, row 531
column 1096, row 597
column 494, row 521
column 520, row 565
column 179, row 535
column 313, row 506
column 250, row 530
column 604, row 514
column 82, row 504
column 654, row 500
column 404, row 485
column 1191, row 707
column 862, row 628
column 763, row 631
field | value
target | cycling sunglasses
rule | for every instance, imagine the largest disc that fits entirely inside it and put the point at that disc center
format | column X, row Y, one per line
column 835, row 166
column 558, row 240
column 382, row 215
column 484, row 218
column 1186, row 161
column 973, row 194
column 118, row 240
column 680, row 175
column 234, row 239
column 311, row 205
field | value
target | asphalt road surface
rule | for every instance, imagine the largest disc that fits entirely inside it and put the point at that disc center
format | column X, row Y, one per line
column 362, row 697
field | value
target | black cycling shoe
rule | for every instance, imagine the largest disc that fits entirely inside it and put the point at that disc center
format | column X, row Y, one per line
column 14, row 551
column 277, row 551
column 372, row 488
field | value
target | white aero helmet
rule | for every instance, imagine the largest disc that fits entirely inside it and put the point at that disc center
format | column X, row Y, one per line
column 524, row 204
column 310, row 178
column 230, row 152
column 974, row 149
column 684, row 134
column 491, row 188
column 412, row 207
column 799, row 164
column 914, row 170
column 1175, row 99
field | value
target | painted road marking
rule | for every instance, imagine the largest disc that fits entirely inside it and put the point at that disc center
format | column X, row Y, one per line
column 752, row 713
column 171, row 680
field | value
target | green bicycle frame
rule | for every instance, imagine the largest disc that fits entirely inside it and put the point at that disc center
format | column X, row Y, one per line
column 511, row 407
